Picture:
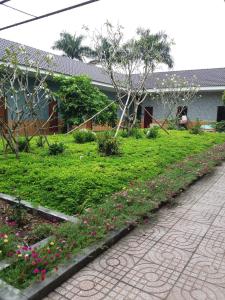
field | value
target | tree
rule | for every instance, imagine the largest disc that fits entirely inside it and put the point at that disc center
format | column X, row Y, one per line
column 174, row 91
column 80, row 100
column 223, row 98
column 129, row 65
column 71, row 45
column 24, row 95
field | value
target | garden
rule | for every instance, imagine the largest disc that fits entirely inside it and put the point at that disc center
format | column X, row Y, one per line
column 105, row 192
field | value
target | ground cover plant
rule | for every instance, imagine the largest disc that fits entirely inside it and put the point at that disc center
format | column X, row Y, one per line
column 80, row 177
column 129, row 206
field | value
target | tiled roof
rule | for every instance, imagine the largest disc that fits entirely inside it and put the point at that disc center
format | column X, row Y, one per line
column 205, row 77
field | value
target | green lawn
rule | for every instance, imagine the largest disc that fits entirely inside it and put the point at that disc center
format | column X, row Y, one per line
column 81, row 178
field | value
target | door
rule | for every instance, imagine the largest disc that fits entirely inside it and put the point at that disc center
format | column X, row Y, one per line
column 220, row 113
column 53, row 112
column 3, row 111
column 148, row 113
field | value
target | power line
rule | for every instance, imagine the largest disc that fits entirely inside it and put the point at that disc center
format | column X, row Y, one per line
column 16, row 9
column 4, row 1
column 48, row 14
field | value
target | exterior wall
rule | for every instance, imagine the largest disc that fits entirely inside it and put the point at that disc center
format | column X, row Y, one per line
column 204, row 108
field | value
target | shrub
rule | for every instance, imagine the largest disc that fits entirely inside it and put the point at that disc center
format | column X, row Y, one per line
column 40, row 142
column 220, row 126
column 23, row 145
column 196, row 129
column 172, row 124
column 134, row 132
column 42, row 231
column 153, row 132
column 84, row 136
column 56, row 148
column 108, row 145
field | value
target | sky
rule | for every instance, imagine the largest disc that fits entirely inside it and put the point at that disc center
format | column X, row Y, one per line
column 197, row 27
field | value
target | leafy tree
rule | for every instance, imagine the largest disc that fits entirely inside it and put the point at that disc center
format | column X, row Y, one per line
column 80, row 100
column 71, row 45
column 130, row 63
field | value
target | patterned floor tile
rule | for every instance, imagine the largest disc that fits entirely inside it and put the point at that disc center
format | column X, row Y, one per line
column 114, row 263
column 216, row 234
column 182, row 240
column 124, row 291
column 151, row 278
column 89, row 284
column 168, row 256
column 222, row 212
column 219, row 221
column 202, row 217
column 150, row 232
column 191, row 227
column 165, row 220
column 212, row 248
column 134, row 245
column 213, row 197
column 212, row 209
column 189, row 288
column 206, row 269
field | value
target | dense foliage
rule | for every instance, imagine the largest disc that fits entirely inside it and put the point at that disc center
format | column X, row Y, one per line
column 82, row 178
column 84, row 136
column 80, row 100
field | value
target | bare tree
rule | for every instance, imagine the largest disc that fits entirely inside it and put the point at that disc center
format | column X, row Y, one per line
column 24, row 94
column 129, row 64
column 173, row 91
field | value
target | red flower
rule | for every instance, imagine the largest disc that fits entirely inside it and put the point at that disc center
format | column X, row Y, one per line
column 43, row 274
column 36, row 271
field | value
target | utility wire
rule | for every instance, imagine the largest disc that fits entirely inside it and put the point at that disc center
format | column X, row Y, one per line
column 21, row 11
column 48, row 14
column 4, row 1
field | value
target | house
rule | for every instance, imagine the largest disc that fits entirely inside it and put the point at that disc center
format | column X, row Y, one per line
column 208, row 108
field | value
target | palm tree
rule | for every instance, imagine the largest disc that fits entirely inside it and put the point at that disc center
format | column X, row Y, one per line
column 71, row 45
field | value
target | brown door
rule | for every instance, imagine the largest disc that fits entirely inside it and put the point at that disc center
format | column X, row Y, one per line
column 148, row 113
column 221, row 113
column 54, row 122
column 3, row 111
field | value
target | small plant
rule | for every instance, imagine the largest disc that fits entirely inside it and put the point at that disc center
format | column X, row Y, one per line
column 108, row 145
column 172, row 124
column 23, row 145
column 134, row 132
column 84, row 136
column 18, row 213
column 220, row 126
column 153, row 132
column 42, row 231
column 56, row 148
column 40, row 142
column 196, row 129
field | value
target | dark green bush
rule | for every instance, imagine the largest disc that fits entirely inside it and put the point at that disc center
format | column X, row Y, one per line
column 196, row 129
column 153, row 132
column 56, row 148
column 84, row 136
column 134, row 132
column 220, row 126
column 23, row 145
column 40, row 142
column 108, row 145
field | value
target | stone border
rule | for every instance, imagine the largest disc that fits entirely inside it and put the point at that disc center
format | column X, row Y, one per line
column 42, row 211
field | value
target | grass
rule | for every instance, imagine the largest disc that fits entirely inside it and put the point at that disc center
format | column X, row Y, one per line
column 81, row 178
column 129, row 206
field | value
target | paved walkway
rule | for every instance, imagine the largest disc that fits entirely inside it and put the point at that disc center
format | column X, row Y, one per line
column 180, row 256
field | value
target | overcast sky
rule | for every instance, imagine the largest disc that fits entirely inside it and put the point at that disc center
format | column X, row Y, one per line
column 196, row 26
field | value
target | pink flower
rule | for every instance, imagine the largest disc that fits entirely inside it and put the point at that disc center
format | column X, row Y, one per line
column 93, row 233
column 36, row 271
column 43, row 274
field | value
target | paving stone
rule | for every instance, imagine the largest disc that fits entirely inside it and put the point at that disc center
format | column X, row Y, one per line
column 206, row 208
column 154, row 233
column 219, row 221
column 216, row 234
column 124, row 291
column 207, row 269
column 181, row 240
column 191, row 227
column 190, row 288
column 214, row 197
column 200, row 216
column 114, row 263
column 151, row 278
column 168, row 256
column 212, row 248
